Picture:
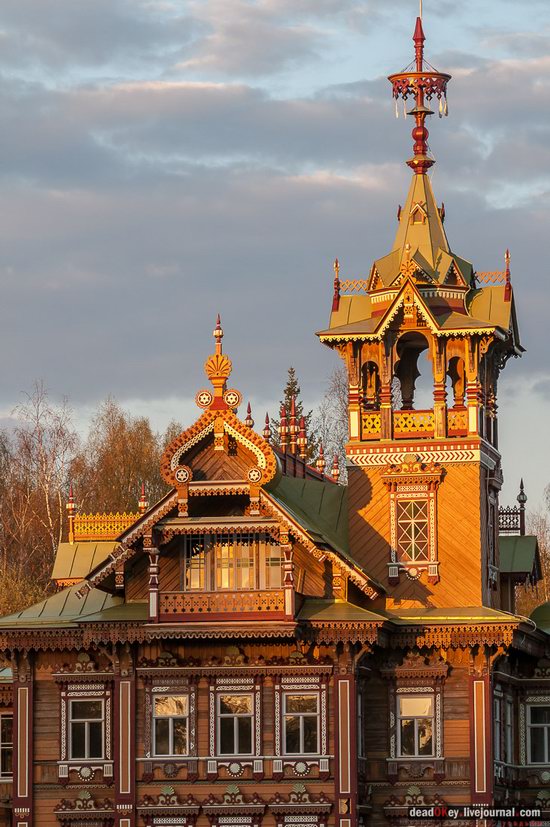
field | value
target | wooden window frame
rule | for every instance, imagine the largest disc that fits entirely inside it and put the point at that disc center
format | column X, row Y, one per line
column 170, row 719
column 530, row 726
column 285, row 714
column 235, row 716
column 86, row 721
column 424, row 693
column 262, row 549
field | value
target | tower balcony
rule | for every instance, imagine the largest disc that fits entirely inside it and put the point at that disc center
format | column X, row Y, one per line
column 412, row 424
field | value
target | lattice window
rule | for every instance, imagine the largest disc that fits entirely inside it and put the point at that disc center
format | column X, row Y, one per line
column 230, row 562
column 413, row 533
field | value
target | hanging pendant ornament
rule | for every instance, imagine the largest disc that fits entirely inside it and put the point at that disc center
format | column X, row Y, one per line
column 446, row 107
column 440, row 107
column 396, row 109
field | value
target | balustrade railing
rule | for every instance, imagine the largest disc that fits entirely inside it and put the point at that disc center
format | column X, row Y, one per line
column 457, row 422
column 102, row 526
column 371, row 423
column 197, row 605
column 413, row 423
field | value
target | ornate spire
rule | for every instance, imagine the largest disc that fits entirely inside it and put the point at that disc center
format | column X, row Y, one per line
column 336, row 294
column 143, row 503
column 293, row 426
column 302, row 438
column 508, row 282
column 321, row 462
column 267, row 429
column 283, row 430
column 522, row 499
column 218, row 369
column 249, row 422
column 421, row 82
column 71, row 511
column 335, row 468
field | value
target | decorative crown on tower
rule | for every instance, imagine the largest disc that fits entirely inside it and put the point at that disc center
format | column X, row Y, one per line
column 218, row 369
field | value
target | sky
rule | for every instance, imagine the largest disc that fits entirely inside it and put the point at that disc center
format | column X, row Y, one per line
column 165, row 160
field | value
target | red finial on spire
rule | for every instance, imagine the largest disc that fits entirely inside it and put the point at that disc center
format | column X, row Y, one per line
column 422, row 84
column 293, row 426
column 143, row 504
column 335, row 468
column 321, row 462
column 302, row 438
column 336, row 294
column 508, row 282
column 283, row 430
column 267, row 429
column 249, row 422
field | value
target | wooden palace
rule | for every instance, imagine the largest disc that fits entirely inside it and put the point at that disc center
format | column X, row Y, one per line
column 268, row 646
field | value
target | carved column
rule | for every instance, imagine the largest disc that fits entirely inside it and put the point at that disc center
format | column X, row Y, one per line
column 386, row 429
column 288, row 573
column 345, row 718
column 153, row 578
column 473, row 387
column 354, row 392
column 481, row 731
column 440, row 391
column 23, row 694
column 125, row 738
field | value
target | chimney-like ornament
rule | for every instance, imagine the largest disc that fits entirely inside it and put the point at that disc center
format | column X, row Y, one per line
column 71, row 512
column 421, row 82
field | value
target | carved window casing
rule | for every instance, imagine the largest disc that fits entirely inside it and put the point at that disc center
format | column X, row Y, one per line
column 413, row 519
column 6, row 744
column 246, row 724
column 416, row 713
column 74, row 722
column 538, row 732
column 308, row 691
column 164, row 688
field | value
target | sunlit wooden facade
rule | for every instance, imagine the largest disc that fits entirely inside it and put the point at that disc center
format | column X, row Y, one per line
column 267, row 646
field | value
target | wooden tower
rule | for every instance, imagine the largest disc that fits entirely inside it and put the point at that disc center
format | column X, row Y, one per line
column 424, row 473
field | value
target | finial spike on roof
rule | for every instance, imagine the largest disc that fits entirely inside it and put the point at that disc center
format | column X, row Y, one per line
column 336, row 294
column 266, row 433
column 283, row 430
column 143, row 503
column 302, row 438
column 249, row 422
column 335, row 468
column 508, row 283
column 320, row 462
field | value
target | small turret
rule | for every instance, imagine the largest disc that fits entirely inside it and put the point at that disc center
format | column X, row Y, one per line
column 266, row 433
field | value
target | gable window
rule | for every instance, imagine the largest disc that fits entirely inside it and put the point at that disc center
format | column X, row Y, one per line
column 86, row 728
column 301, row 723
column 413, row 541
column 6, row 745
column 538, row 734
column 171, row 724
column 235, row 724
column 415, row 725
column 230, row 562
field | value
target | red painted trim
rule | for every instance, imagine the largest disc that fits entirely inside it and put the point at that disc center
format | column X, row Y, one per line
column 350, row 816
column 27, row 801
column 487, row 796
column 130, row 797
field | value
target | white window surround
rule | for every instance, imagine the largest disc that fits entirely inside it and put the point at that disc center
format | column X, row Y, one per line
column 170, row 719
column 6, row 745
column 540, row 727
column 235, row 717
column 425, row 711
column 301, row 715
column 78, row 717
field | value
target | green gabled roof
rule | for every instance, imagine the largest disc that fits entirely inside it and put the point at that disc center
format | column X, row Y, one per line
column 76, row 560
column 487, row 304
column 518, row 555
column 319, row 507
column 326, row 610
column 541, row 616
column 64, row 608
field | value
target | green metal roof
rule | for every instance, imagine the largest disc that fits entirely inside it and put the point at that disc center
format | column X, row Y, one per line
column 76, row 560
column 518, row 555
column 315, row 608
column 438, row 616
column 62, row 609
column 541, row 616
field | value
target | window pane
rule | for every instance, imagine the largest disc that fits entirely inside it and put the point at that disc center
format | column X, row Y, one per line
column 171, row 705
column 274, row 569
column 6, row 766
column 245, row 735
column 540, row 714
column 180, row 736
column 162, row 737
column 6, row 729
column 407, row 737
column 235, row 704
column 227, row 746
column 78, row 740
column 301, row 703
column 292, row 734
column 425, row 736
column 310, row 733
column 86, row 710
column 415, row 707
column 537, row 745
column 95, row 739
